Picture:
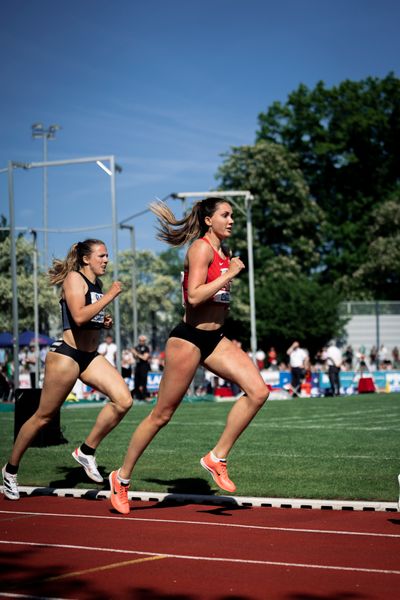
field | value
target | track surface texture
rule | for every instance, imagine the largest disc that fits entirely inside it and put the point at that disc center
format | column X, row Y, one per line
column 79, row 548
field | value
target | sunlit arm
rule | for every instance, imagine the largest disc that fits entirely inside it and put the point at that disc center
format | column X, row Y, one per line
column 199, row 258
column 74, row 289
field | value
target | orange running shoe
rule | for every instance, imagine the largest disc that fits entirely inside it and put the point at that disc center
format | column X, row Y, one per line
column 119, row 494
column 219, row 472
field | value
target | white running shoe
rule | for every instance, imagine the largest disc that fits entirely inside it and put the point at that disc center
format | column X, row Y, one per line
column 88, row 462
column 10, row 485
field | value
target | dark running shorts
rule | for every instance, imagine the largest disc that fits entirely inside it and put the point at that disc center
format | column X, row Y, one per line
column 80, row 356
column 206, row 341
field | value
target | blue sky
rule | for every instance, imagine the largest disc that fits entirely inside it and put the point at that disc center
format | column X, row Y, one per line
column 166, row 87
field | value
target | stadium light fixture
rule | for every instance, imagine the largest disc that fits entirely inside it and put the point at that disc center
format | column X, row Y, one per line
column 39, row 131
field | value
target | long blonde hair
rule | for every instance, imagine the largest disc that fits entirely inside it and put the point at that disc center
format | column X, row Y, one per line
column 178, row 232
column 72, row 262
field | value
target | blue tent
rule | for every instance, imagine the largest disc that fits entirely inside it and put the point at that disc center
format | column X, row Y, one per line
column 27, row 338
column 6, row 339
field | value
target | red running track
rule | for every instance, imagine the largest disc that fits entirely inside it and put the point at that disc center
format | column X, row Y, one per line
column 54, row 547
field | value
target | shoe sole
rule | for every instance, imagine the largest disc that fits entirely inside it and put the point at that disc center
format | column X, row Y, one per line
column 10, row 497
column 111, row 497
column 88, row 473
column 17, row 497
column 207, row 468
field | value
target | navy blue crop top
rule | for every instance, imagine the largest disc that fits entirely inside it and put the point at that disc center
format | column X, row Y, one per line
column 93, row 294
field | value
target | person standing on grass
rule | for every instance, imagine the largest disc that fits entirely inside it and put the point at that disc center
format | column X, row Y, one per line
column 141, row 352
column 334, row 362
column 75, row 356
column 299, row 363
column 198, row 339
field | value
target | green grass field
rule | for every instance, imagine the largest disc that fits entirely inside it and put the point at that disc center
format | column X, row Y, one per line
column 325, row 448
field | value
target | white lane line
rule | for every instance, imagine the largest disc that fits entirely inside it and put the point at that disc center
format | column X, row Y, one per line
column 206, row 523
column 28, row 596
column 209, row 558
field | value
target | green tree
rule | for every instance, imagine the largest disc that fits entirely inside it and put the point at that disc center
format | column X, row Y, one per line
column 287, row 221
column 47, row 298
column 347, row 140
column 293, row 306
column 378, row 277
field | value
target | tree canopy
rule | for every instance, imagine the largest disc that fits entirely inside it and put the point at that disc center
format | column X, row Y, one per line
column 347, row 143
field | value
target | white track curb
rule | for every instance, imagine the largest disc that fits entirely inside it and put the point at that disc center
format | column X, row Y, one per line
column 245, row 501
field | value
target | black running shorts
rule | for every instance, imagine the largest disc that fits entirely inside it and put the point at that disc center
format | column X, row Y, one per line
column 206, row 341
column 80, row 356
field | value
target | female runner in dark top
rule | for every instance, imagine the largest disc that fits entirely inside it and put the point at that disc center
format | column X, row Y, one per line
column 75, row 356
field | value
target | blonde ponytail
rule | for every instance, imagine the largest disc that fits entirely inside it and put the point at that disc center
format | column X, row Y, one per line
column 178, row 232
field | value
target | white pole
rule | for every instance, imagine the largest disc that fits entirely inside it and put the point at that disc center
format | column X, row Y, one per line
column 134, row 289
column 253, row 330
column 13, row 273
column 36, row 308
column 45, row 204
column 117, row 322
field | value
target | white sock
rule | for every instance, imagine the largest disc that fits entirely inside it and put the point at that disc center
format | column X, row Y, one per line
column 215, row 458
column 123, row 481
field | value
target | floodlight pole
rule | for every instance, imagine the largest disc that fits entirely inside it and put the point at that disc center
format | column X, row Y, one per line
column 39, row 131
column 36, row 306
column 131, row 229
column 14, row 289
column 248, row 197
column 117, row 319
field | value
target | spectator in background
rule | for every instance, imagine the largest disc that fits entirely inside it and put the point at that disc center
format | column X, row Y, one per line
column 127, row 361
column 320, row 359
column 348, row 358
column 396, row 358
column 383, row 357
column 30, row 363
column 272, row 358
column 260, row 358
column 361, row 364
column 334, row 361
column 108, row 349
column 373, row 357
column 161, row 361
column 141, row 352
column 298, row 362
column 3, row 357
column 22, row 357
column 42, row 356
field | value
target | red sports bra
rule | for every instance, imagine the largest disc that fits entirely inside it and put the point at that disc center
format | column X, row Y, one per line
column 217, row 267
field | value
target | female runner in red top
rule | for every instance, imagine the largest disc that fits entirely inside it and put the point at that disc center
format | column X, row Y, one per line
column 198, row 339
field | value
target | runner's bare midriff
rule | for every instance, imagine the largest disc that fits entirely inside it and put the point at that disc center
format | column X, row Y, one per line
column 209, row 316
